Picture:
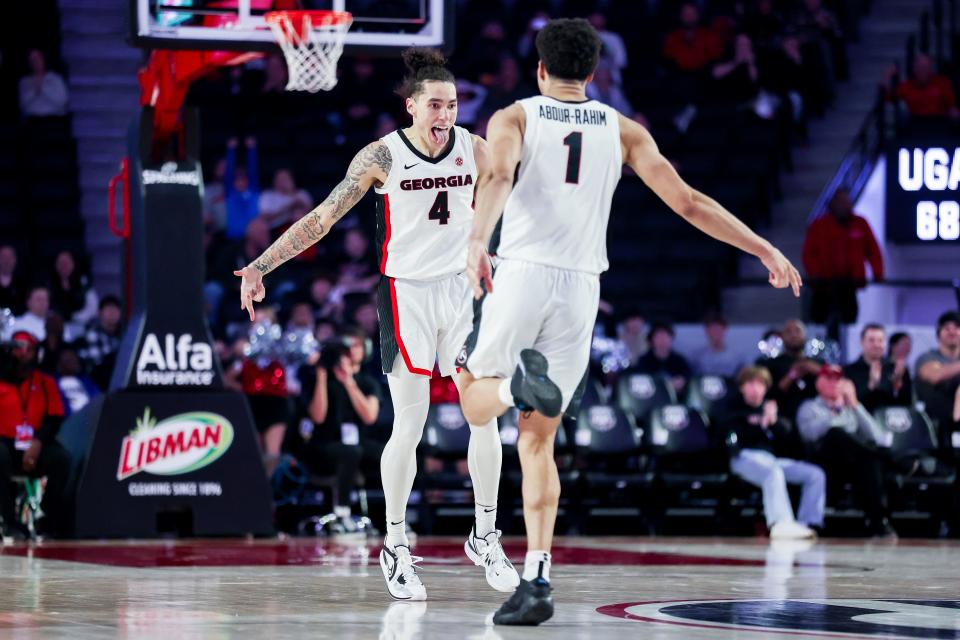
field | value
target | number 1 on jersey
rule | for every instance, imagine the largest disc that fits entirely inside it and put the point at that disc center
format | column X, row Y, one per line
column 440, row 210
column 575, row 142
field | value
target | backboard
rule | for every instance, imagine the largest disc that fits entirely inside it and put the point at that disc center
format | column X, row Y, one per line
column 380, row 27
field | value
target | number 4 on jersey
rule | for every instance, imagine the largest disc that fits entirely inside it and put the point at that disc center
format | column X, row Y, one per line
column 440, row 211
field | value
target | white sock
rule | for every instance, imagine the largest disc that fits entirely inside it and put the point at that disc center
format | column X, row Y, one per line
column 537, row 565
column 398, row 465
column 504, row 393
column 485, row 460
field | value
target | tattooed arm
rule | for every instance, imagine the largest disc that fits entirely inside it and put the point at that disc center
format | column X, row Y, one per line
column 369, row 167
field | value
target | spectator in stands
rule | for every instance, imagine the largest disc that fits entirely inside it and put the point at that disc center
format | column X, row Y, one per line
column 820, row 26
column 763, row 453
column 301, row 317
column 470, row 100
column 879, row 382
column 326, row 300
column 607, row 90
column 242, row 188
column 507, row 87
column 613, row 54
column 70, row 292
column 794, row 374
column 342, row 402
column 76, row 387
column 101, row 341
column 359, row 270
column 735, row 78
column 842, row 437
column 938, row 370
column 35, row 318
column 691, row 47
column 926, row 93
column 837, row 246
column 284, row 203
column 632, row 331
column 42, row 93
column 13, row 291
column 764, row 24
column 53, row 343
column 717, row 358
column 661, row 359
column 901, row 344
column 214, row 199
column 31, row 412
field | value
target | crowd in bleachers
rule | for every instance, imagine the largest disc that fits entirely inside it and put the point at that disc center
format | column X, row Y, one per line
column 727, row 89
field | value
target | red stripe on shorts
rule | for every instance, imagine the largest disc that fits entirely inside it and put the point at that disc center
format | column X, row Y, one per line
column 396, row 334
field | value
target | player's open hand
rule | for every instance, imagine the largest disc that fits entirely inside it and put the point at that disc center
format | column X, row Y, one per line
column 251, row 289
column 479, row 269
column 782, row 273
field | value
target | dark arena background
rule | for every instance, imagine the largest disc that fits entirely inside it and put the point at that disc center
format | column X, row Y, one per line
column 163, row 472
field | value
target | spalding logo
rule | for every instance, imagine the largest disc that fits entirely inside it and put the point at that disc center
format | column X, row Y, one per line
column 176, row 445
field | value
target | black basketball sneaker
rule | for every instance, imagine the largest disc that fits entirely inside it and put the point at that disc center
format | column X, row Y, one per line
column 531, row 388
column 529, row 605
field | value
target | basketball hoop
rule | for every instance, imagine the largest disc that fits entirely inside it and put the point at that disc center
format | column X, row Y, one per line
column 312, row 42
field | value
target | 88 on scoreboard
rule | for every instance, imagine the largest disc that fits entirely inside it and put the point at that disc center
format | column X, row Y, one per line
column 923, row 194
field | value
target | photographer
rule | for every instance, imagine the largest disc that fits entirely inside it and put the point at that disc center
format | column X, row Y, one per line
column 340, row 401
column 31, row 412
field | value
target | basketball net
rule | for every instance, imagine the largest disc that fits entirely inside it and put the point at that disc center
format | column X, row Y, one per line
column 312, row 42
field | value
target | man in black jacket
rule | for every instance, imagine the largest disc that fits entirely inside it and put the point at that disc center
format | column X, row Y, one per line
column 879, row 382
column 761, row 444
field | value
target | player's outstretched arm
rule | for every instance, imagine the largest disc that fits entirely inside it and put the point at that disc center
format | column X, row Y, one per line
column 641, row 154
column 497, row 162
column 370, row 166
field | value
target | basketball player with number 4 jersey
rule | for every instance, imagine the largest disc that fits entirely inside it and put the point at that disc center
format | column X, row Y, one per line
column 531, row 338
column 424, row 177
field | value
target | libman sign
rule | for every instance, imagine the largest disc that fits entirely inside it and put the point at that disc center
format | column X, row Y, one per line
column 174, row 446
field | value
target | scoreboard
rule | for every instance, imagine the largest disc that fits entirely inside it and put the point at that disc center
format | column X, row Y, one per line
column 923, row 200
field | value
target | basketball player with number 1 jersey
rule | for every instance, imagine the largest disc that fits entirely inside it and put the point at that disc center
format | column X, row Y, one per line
column 424, row 177
column 531, row 338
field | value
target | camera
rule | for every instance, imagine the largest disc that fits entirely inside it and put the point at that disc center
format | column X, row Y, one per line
column 331, row 351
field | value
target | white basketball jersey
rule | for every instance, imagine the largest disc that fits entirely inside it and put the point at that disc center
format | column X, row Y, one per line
column 571, row 162
column 425, row 208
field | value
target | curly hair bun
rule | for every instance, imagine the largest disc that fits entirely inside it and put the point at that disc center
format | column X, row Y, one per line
column 418, row 58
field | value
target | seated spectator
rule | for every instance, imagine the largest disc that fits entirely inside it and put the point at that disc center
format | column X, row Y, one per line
column 76, row 387
column 835, row 250
column 38, row 307
column 607, row 90
column 326, row 300
column 717, row 358
column 70, row 292
column 794, row 374
column 42, row 93
column 901, row 344
column 214, row 199
column 470, row 99
column 879, row 382
column 691, row 47
column 301, row 317
column 763, row 454
column 13, row 291
column 31, row 412
column 359, row 270
column 233, row 256
column 284, row 203
column 661, row 359
column 632, row 331
column 614, row 51
column 938, row 370
column 242, row 188
column 736, row 77
column 98, row 349
column 926, row 93
column 842, row 437
column 507, row 87
column 52, row 344
column 341, row 402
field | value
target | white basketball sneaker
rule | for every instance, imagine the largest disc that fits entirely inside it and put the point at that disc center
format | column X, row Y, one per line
column 487, row 552
column 791, row 530
column 400, row 572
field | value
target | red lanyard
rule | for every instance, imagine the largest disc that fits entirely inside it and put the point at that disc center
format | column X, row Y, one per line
column 25, row 404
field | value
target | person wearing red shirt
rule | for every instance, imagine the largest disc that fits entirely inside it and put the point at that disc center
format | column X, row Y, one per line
column 692, row 47
column 31, row 412
column 837, row 246
column 926, row 93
